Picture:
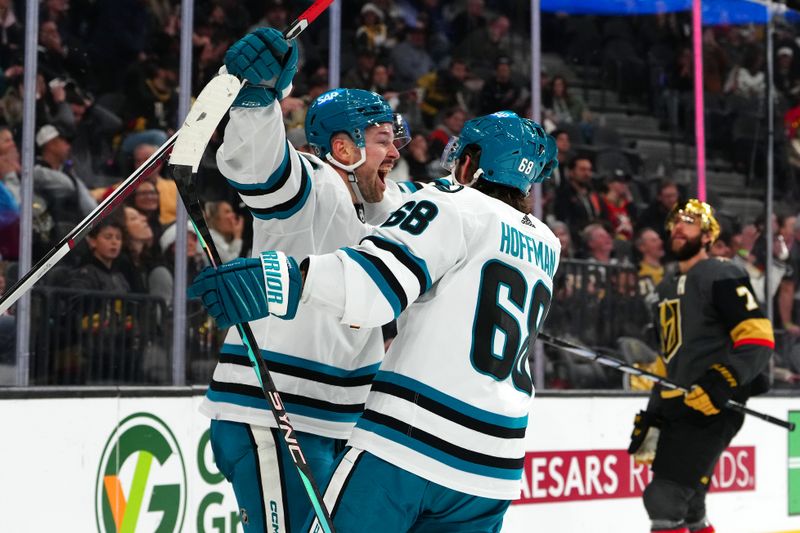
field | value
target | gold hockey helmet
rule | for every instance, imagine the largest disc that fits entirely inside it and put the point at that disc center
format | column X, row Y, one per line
column 693, row 210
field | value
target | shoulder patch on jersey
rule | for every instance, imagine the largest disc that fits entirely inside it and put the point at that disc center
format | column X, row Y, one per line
column 316, row 163
column 447, row 186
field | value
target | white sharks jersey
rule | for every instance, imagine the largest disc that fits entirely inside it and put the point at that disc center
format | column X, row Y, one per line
column 395, row 194
column 322, row 369
column 472, row 278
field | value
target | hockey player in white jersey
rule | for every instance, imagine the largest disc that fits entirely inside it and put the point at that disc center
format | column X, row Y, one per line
column 440, row 446
column 305, row 205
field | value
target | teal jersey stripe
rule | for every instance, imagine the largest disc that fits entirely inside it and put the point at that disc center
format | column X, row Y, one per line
column 415, row 259
column 438, row 455
column 271, row 180
column 408, row 186
column 291, row 408
column 453, row 403
column 377, row 277
column 276, row 357
column 289, row 211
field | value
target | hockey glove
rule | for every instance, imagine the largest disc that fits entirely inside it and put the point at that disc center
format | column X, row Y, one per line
column 644, row 437
column 711, row 392
column 267, row 62
column 247, row 289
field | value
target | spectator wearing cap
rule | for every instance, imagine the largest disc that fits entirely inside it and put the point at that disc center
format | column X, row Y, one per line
column 787, row 80
column 443, row 89
column 410, row 58
column 161, row 281
column 500, row 91
column 372, row 34
column 226, row 228
column 68, row 198
column 616, row 205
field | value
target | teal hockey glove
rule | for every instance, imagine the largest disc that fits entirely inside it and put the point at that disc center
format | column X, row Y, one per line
column 248, row 289
column 267, row 62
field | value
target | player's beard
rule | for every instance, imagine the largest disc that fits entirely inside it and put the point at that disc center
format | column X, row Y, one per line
column 689, row 249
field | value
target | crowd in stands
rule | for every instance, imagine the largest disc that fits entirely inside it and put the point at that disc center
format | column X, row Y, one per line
column 107, row 97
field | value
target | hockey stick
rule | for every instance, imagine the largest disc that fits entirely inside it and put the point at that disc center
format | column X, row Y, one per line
column 46, row 263
column 80, row 231
column 195, row 134
column 622, row 366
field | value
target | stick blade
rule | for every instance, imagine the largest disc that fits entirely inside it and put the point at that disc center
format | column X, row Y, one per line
column 203, row 118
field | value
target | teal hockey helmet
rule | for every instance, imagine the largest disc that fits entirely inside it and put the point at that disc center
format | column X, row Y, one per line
column 515, row 151
column 351, row 111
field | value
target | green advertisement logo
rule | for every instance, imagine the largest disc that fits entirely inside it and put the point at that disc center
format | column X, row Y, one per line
column 141, row 479
column 794, row 465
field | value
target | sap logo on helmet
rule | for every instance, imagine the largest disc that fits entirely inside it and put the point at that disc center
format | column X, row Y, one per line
column 503, row 114
column 327, row 97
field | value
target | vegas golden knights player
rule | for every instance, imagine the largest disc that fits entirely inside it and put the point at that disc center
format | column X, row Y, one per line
column 714, row 337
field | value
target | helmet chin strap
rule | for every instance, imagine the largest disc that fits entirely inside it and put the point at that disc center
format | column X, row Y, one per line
column 351, row 172
column 478, row 173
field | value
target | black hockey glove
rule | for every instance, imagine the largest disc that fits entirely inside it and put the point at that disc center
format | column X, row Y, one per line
column 643, row 421
column 711, row 392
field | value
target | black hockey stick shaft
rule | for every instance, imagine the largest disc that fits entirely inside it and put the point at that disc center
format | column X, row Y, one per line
column 183, row 174
column 186, row 188
column 79, row 232
column 51, row 258
column 613, row 362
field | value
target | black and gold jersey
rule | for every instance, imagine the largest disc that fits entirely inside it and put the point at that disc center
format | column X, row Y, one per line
column 709, row 315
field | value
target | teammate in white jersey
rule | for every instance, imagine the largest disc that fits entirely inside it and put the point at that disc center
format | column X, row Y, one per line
column 440, row 446
column 305, row 205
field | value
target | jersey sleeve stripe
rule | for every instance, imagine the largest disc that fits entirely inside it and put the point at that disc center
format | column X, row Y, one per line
column 471, row 411
column 377, row 270
column 440, row 449
column 276, row 180
column 272, row 358
column 414, row 264
column 290, row 207
column 753, row 331
column 446, row 412
column 409, row 186
column 757, row 342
